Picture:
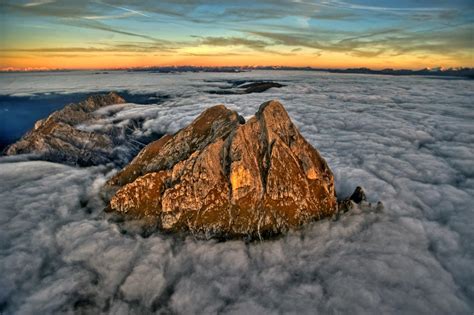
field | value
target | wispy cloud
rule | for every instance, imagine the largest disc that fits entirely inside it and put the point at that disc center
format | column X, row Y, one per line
column 448, row 40
column 253, row 44
column 125, row 9
column 279, row 27
column 347, row 5
column 234, row 41
column 37, row 3
column 94, row 24
column 108, row 17
column 113, row 47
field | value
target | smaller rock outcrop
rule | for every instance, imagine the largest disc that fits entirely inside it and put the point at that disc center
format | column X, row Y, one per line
column 58, row 139
column 221, row 176
column 259, row 87
column 247, row 88
column 357, row 200
column 358, row 195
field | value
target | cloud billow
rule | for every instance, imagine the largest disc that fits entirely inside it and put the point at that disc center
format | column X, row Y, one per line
column 407, row 141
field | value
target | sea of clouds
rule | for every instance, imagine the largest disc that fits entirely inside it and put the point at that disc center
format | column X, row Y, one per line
column 409, row 141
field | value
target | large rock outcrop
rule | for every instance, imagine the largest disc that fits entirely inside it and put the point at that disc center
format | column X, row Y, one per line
column 222, row 176
column 58, row 138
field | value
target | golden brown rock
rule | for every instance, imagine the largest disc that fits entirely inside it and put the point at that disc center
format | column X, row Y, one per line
column 215, row 122
column 135, row 169
column 223, row 177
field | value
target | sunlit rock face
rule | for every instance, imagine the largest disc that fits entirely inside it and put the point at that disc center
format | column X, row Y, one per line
column 57, row 139
column 221, row 176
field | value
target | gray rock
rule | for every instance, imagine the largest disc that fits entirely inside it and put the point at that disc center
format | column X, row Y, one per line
column 254, row 87
column 57, row 139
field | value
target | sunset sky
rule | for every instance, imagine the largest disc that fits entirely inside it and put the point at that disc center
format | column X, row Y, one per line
column 337, row 34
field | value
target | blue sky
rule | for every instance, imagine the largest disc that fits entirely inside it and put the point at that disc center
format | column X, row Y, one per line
column 337, row 33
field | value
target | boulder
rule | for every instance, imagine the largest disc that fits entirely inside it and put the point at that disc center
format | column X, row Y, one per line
column 221, row 176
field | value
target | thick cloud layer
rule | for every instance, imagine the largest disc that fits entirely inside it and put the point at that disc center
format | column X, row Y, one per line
column 408, row 141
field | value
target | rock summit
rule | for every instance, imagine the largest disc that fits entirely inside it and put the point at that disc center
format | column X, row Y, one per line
column 222, row 176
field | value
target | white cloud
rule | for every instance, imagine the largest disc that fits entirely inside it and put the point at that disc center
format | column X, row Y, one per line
column 408, row 141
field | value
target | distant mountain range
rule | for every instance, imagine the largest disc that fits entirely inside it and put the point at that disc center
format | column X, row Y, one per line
column 461, row 72
column 452, row 72
column 449, row 72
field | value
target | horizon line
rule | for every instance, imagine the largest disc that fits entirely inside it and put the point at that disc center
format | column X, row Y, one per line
column 275, row 67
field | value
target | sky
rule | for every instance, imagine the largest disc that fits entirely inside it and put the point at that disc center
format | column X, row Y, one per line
column 379, row 34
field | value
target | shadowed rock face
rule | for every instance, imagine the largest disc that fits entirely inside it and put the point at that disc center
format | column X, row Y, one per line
column 223, row 177
column 254, row 87
column 259, row 87
column 356, row 203
column 56, row 138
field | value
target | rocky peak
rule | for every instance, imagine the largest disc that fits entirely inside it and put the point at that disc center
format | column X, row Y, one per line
column 56, row 138
column 77, row 113
column 221, row 176
column 214, row 123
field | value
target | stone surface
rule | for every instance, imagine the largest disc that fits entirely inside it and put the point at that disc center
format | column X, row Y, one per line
column 247, row 88
column 57, row 139
column 223, row 177
column 259, row 87
column 357, row 199
column 358, row 195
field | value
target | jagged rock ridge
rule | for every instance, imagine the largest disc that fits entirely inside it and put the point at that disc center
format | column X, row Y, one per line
column 58, row 139
column 223, row 176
